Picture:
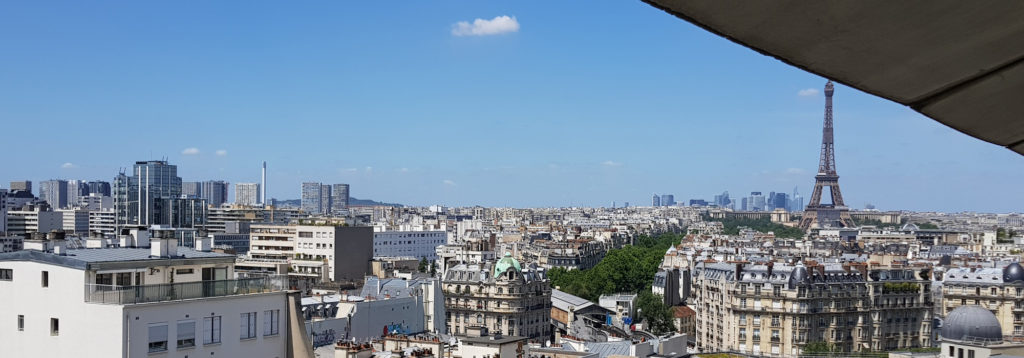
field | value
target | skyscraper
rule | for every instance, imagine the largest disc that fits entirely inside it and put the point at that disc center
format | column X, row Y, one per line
column 668, row 200
column 137, row 197
column 215, row 192
column 656, row 201
column 339, row 197
column 100, row 188
column 780, row 201
column 247, row 194
column 311, row 198
column 191, row 189
column 756, row 202
column 76, row 190
column 54, row 192
column 326, row 199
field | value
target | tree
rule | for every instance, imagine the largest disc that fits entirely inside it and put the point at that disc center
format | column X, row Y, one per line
column 630, row 269
column 656, row 315
column 423, row 265
column 433, row 268
column 818, row 347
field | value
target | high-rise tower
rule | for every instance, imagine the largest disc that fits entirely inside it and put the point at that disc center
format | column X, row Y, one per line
column 263, row 185
column 836, row 214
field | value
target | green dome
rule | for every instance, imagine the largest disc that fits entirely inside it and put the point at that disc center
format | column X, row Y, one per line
column 505, row 263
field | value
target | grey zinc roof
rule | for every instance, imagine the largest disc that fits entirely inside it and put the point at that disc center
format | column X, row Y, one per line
column 562, row 301
column 135, row 254
column 81, row 258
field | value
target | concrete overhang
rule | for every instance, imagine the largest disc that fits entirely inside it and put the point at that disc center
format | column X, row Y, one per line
column 959, row 62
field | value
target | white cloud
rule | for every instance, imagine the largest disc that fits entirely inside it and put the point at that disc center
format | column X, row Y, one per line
column 809, row 92
column 404, row 170
column 369, row 169
column 222, row 152
column 609, row 163
column 795, row 171
column 448, row 182
column 190, row 151
column 68, row 165
column 480, row 27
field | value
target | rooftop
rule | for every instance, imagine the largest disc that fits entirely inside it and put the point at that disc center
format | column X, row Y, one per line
column 84, row 258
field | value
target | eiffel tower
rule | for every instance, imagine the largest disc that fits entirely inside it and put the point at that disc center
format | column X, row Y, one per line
column 836, row 214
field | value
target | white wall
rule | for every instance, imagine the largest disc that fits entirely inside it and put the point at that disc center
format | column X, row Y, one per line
column 229, row 308
column 418, row 244
column 86, row 330
column 370, row 317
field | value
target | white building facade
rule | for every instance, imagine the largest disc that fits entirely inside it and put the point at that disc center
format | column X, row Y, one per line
column 418, row 244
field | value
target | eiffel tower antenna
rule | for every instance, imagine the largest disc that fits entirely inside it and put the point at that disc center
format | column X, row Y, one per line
column 836, row 214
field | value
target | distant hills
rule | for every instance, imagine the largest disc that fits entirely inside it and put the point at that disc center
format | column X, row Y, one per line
column 352, row 201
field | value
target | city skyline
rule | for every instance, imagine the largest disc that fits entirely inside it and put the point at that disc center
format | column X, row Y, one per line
column 550, row 113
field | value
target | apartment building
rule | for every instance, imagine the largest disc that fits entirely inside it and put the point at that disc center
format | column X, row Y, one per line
column 149, row 298
column 325, row 252
column 418, row 244
column 501, row 297
column 775, row 309
column 998, row 290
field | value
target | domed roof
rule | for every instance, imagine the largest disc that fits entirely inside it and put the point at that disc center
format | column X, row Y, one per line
column 505, row 263
column 799, row 276
column 971, row 322
column 1013, row 273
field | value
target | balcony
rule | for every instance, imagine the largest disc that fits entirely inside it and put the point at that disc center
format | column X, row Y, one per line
column 127, row 295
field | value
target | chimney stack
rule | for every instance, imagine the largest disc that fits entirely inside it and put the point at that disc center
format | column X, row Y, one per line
column 163, row 244
column 58, row 242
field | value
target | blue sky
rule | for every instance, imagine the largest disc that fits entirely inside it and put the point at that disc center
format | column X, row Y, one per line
column 575, row 105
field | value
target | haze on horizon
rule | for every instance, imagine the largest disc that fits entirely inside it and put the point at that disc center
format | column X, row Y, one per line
column 524, row 104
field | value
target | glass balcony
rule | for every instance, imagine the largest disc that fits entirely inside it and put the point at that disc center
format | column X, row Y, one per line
column 126, row 295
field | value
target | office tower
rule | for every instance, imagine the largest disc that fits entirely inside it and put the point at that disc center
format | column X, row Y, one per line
column 743, row 203
column 191, row 189
column 263, row 185
column 339, row 197
column 77, row 189
column 98, row 187
column 247, row 194
column 24, row 185
column 310, row 200
column 54, row 192
column 215, row 192
column 780, row 201
column 796, row 203
column 326, row 199
column 137, row 198
column 656, row 200
column 756, row 201
column 668, row 200
column 722, row 200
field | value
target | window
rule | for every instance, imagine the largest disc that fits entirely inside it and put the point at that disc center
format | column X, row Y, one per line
column 158, row 337
column 54, row 327
column 211, row 330
column 270, row 322
column 187, row 271
column 186, row 334
column 247, row 325
column 46, row 278
column 21, row 322
column 6, row 275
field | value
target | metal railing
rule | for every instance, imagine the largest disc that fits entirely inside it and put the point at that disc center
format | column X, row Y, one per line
column 122, row 295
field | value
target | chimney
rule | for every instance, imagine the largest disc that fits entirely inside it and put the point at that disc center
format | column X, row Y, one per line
column 771, row 267
column 163, row 244
column 739, row 269
column 204, row 243
column 58, row 242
